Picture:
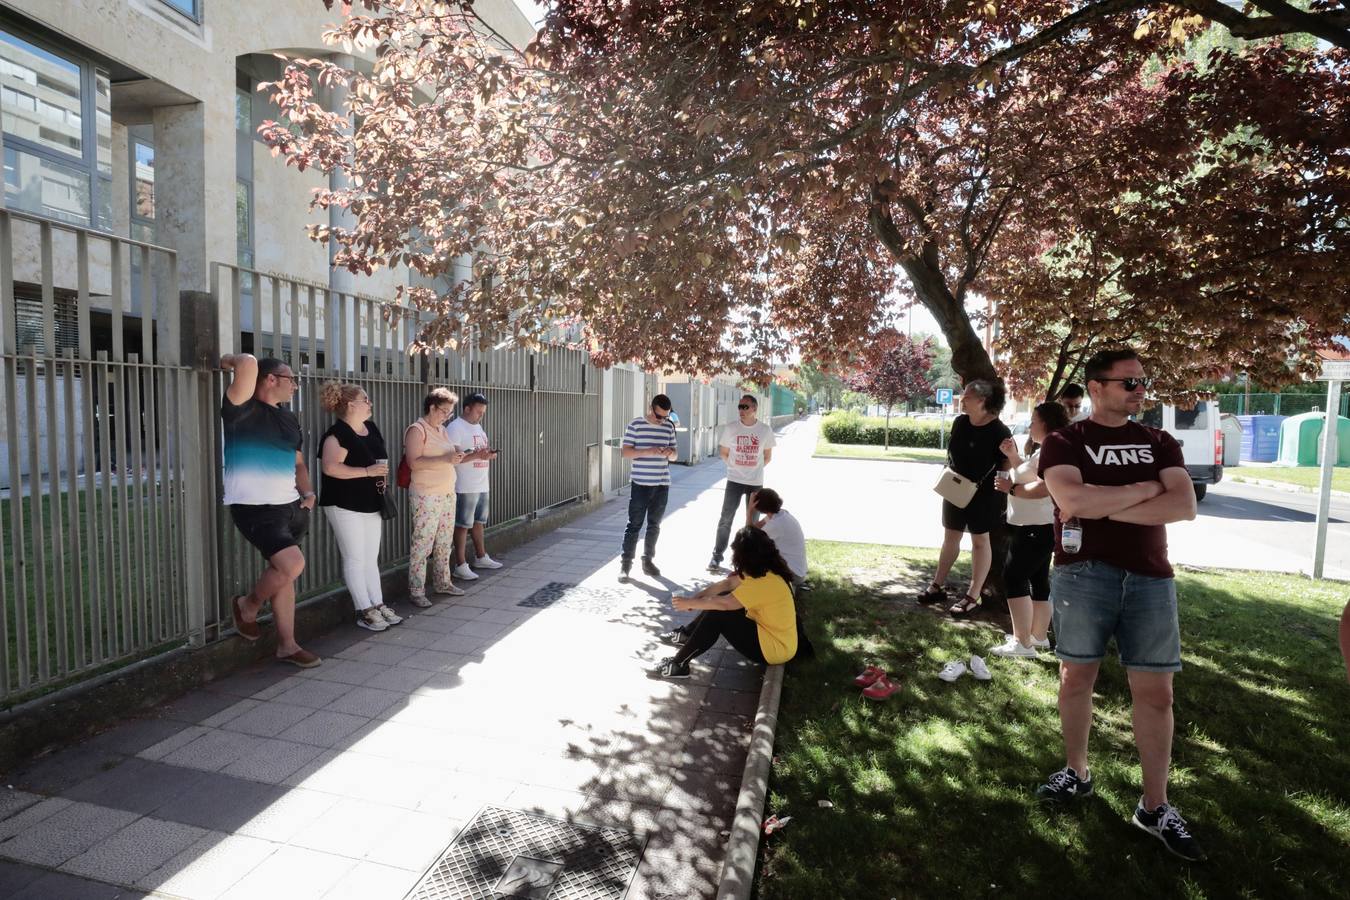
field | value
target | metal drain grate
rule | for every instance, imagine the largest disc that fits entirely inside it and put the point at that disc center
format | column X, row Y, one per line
column 505, row 853
column 560, row 595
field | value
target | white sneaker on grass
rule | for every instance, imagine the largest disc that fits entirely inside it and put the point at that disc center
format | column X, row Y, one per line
column 464, row 573
column 979, row 669
column 952, row 671
column 486, row 562
column 1012, row 648
column 1036, row 643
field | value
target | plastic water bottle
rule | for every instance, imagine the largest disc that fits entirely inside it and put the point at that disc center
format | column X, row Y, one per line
column 1071, row 535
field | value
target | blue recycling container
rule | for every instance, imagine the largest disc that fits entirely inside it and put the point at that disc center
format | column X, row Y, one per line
column 1260, row 438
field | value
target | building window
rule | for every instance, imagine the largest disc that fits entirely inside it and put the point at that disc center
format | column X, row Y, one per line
column 142, row 156
column 243, row 169
column 189, row 8
column 55, row 112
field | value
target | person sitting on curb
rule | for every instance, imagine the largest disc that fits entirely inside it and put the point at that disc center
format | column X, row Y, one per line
column 752, row 608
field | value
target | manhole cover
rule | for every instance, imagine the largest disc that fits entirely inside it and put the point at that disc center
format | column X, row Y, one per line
column 560, row 595
column 503, row 854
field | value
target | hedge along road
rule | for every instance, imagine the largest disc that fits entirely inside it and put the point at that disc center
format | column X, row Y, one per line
column 1239, row 525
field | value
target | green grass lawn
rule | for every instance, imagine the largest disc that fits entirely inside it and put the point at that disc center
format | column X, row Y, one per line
column 874, row 451
column 1307, row 477
column 932, row 789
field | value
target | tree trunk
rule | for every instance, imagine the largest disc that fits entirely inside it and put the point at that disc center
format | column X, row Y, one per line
column 969, row 358
column 886, row 432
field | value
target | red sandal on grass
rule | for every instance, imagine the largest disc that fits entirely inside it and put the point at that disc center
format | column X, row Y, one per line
column 880, row 689
column 869, row 676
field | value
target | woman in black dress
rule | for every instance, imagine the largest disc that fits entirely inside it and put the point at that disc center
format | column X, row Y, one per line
column 973, row 451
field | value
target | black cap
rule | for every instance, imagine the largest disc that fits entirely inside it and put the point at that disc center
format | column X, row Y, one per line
column 474, row 398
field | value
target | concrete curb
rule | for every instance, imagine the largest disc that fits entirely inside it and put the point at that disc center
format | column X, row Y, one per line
column 738, row 870
column 1284, row 486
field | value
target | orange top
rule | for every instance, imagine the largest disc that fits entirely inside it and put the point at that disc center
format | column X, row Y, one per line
column 434, row 475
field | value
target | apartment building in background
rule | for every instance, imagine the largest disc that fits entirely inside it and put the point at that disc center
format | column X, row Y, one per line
column 136, row 121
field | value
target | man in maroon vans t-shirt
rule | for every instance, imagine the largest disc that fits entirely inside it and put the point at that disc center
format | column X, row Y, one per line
column 1122, row 482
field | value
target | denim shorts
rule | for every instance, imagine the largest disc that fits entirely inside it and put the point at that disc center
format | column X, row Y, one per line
column 1096, row 601
column 471, row 508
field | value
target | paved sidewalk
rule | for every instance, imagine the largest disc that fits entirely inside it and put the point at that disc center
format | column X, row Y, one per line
column 349, row 780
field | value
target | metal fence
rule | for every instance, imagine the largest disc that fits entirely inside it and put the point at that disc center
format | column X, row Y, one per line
column 116, row 544
column 543, row 412
column 101, row 471
column 1278, row 404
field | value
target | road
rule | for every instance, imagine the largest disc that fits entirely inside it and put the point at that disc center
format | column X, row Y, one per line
column 1239, row 525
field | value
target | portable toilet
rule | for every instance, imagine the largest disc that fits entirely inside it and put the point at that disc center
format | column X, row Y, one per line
column 1233, row 432
column 1301, row 436
column 1260, row 438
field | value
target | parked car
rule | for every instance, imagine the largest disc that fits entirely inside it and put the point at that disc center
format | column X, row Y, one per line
column 1200, row 435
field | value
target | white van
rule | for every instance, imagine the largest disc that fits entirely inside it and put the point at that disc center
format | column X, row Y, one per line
column 1201, row 437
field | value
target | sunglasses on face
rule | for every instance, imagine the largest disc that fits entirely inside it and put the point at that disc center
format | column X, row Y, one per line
column 1131, row 384
column 292, row 378
column 745, row 406
column 660, row 415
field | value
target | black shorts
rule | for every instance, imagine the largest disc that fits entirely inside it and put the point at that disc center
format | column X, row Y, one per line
column 981, row 516
column 271, row 528
column 1027, row 572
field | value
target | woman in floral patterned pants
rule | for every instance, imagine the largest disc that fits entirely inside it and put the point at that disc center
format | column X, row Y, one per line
column 432, row 459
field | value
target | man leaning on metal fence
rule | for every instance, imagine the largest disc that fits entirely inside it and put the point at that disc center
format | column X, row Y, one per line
column 268, row 491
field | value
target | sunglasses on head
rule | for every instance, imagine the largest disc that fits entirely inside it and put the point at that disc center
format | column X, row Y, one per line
column 1130, row 384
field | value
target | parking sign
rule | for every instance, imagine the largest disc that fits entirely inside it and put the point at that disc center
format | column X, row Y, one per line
column 944, row 396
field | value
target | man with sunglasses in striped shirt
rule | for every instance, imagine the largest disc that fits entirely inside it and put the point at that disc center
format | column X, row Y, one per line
column 649, row 442
column 1118, row 483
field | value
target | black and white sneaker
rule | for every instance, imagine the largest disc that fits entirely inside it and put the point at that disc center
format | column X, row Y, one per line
column 715, row 566
column 1064, row 787
column 625, row 566
column 649, row 567
column 671, row 669
column 1167, row 825
column 675, row 637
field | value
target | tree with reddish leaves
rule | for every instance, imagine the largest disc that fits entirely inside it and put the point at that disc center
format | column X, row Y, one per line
column 892, row 369
column 702, row 185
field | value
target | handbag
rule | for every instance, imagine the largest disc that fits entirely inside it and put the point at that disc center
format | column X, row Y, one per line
column 387, row 508
column 403, row 478
column 957, row 489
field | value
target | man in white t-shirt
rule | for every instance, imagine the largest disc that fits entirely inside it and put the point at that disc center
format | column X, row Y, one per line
column 747, row 447
column 471, row 485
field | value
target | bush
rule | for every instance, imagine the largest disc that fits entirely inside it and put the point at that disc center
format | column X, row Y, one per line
column 847, row 427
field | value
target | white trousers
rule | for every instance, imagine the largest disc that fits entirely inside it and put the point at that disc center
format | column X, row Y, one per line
column 358, row 538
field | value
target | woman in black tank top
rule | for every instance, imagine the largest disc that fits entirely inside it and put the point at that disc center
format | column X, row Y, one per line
column 355, row 466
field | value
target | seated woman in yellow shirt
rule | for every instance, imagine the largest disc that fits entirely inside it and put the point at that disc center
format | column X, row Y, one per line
column 752, row 608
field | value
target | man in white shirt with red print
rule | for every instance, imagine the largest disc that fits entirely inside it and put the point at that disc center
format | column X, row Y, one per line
column 746, row 446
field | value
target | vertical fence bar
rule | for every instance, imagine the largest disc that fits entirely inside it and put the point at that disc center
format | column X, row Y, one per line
column 115, row 297
column 18, row 544
column 133, row 516
column 275, row 284
column 194, row 456
column 9, row 316
column 146, row 305
column 293, row 309
column 35, row 517
column 57, row 533
column 93, row 569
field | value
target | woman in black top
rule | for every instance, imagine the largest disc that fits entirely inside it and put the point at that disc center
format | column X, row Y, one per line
column 355, row 466
column 973, row 451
